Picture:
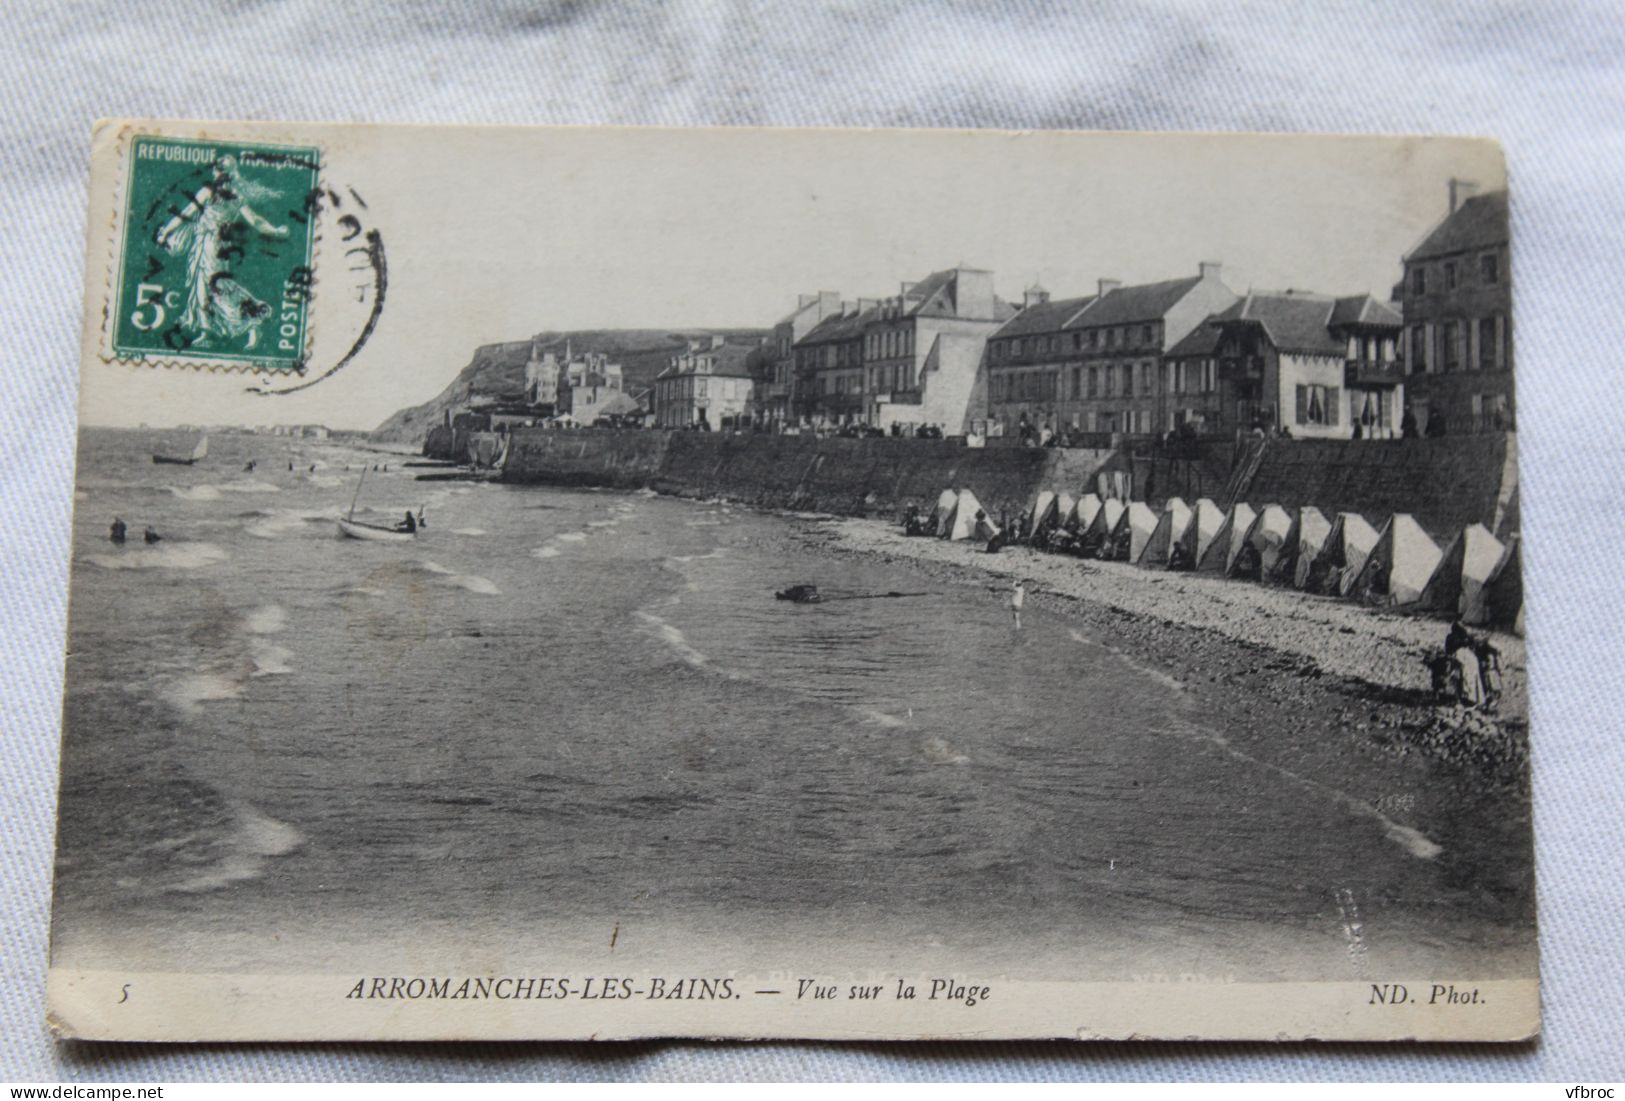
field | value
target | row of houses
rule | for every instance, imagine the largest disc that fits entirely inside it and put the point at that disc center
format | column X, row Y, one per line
column 1183, row 354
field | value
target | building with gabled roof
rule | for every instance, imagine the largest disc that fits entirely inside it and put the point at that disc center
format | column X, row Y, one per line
column 1098, row 363
column 1310, row 364
column 1457, row 300
column 706, row 386
column 922, row 350
column 829, row 366
column 775, row 395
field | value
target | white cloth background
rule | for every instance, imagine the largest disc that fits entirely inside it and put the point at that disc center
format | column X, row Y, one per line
column 1547, row 78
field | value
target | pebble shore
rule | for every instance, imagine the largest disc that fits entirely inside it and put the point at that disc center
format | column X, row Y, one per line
column 1300, row 661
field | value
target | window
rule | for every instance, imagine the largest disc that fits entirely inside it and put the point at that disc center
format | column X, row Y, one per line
column 1489, row 268
column 1077, row 383
column 1486, row 343
column 1318, row 405
column 1145, row 334
column 1094, row 382
column 1111, row 380
column 1450, row 337
column 1018, row 348
column 1210, row 376
column 1094, row 338
column 1419, row 280
column 1419, row 349
column 1145, row 378
column 1450, row 275
column 1077, row 340
column 1111, row 338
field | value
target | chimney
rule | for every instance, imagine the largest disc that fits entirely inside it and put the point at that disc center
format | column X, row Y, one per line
column 973, row 293
column 906, row 287
column 846, row 307
column 1034, row 295
column 1109, row 285
column 828, row 303
column 718, row 340
column 1460, row 192
column 867, row 304
column 1209, row 269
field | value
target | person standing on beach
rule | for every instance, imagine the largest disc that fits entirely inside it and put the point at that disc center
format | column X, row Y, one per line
column 1018, row 597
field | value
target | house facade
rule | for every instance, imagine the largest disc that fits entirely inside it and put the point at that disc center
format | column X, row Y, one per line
column 1102, row 367
column 1310, row 365
column 1457, row 297
column 708, row 386
column 922, row 350
column 775, row 395
column 829, row 367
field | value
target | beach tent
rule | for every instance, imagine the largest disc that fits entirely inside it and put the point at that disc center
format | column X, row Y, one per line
column 943, row 509
column 1064, row 504
column 1133, row 531
column 962, row 522
column 1399, row 565
column 1228, row 540
column 1341, row 556
column 1200, row 531
column 1261, row 549
column 1504, row 590
column 1170, row 525
column 1082, row 517
column 1457, row 587
column 1313, row 528
column 1102, row 531
column 1043, row 510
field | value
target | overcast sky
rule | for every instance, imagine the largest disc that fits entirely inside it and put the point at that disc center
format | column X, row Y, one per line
column 495, row 234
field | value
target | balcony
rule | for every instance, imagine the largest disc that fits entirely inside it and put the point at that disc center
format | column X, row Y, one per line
column 1242, row 368
column 1371, row 372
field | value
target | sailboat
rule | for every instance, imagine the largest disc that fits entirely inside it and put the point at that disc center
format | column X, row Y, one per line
column 378, row 533
column 197, row 452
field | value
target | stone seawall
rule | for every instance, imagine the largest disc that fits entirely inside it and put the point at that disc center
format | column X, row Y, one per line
column 849, row 477
column 1446, row 483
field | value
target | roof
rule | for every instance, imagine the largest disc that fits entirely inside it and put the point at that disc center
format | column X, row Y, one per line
column 1200, row 341
column 841, row 326
column 1363, row 309
column 1293, row 321
column 1043, row 317
column 618, row 404
column 935, row 296
column 729, row 362
column 1480, row 222
column 1127, row 305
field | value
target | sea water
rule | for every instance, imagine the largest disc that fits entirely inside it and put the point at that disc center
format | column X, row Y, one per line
column 564, row 710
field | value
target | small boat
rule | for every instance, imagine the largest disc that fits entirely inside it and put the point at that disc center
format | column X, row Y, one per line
column 378, row 533
column 197, row 452
column 352, row 528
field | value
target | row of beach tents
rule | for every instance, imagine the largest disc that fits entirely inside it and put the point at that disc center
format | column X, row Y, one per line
column 1475, row 577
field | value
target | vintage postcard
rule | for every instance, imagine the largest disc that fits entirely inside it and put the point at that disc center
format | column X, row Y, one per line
column 604, row 583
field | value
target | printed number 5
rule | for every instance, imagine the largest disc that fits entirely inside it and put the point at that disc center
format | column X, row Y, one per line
column 148, row 296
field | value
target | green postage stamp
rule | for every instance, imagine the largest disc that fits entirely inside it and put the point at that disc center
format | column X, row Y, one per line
column 214, row 259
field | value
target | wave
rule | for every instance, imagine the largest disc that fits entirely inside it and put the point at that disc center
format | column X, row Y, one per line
column 281, row 521
column 162, row 556
column 255, row 839
column 546, row 552
column 882, row 718
column 474, row 584
column 267, row 619
column 434, row 567
column 675, row 639
column 602, row 523
column 196, row 493
column 190, row 692
column 939, row 752
column 468, row 531
column 570, row 536
column 270, row 661
column 248, row 486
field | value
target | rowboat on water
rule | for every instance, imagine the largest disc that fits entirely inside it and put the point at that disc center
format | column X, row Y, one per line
column 199, row 451
column 378, row 533
column 352, row 528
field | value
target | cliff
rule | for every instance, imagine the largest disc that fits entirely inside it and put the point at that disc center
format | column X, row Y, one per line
column 497, row 371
